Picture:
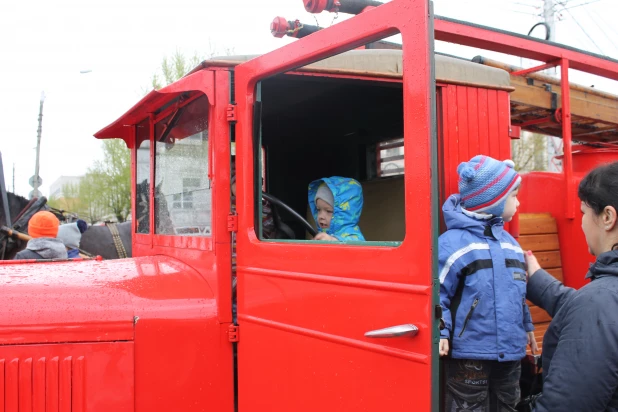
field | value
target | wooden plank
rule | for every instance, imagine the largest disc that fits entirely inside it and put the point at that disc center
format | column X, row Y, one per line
column 539, row 330
column 539, row 315
column 557, row 273
column 537, row 226
column 535, row 215
column 539, row 243
column 548, row 260
column 582, row 104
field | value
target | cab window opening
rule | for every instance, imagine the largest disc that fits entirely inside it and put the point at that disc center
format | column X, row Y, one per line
column 314, row 127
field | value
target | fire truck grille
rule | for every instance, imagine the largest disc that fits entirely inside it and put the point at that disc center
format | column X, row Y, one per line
column 43, row 384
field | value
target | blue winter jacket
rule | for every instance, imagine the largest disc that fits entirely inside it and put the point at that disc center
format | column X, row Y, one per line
column 487, row 265
column 348, row 206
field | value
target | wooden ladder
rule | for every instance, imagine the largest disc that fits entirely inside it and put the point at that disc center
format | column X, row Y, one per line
column 538, row 232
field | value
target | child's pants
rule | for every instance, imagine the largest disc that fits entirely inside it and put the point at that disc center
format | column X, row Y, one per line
column 481, row 386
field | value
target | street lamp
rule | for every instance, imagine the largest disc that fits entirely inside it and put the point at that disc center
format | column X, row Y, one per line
column 36, row 181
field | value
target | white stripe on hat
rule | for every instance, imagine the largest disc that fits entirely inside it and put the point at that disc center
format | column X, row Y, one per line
column 457, row 255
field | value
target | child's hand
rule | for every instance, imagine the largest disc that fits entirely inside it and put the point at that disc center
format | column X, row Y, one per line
column 534, row 347
column 532, row 263
column 444, row 347
column 325, row 236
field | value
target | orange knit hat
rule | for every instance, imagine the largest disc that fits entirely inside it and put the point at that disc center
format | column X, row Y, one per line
column 43, row 224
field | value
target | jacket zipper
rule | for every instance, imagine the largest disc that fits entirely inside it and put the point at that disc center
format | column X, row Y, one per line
column 469, row 315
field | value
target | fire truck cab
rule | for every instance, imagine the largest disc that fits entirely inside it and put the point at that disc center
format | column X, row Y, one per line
column 308, row 324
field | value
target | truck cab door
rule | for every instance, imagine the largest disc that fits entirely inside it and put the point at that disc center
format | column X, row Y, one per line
column 305, row 309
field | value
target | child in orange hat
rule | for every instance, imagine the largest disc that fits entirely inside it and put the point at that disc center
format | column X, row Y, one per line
column 43, row 228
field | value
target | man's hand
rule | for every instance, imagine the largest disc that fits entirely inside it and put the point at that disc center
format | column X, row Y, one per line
column 532, row 263
column 534, row 347
column 444, row 347
column 325, row 236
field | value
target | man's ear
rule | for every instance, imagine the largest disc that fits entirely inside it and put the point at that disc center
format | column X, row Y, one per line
column 610, row 217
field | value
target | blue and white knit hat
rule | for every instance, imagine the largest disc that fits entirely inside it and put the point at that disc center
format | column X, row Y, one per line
column 485, row 183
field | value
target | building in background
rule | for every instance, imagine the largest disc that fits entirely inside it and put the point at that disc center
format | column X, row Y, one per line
column 55, row 189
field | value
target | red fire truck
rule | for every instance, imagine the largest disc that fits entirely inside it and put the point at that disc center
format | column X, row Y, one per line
column 318, row 325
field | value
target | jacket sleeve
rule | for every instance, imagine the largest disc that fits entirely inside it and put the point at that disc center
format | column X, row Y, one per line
column 528, row 326
column 449, row 280
column 583, row 374
column 547, row 292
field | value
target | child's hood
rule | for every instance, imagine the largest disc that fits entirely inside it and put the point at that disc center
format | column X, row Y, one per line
column 455, row 218
column 348, row 194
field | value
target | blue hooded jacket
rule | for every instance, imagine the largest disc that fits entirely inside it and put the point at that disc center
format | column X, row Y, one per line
column 348, row 206
column 487, row 265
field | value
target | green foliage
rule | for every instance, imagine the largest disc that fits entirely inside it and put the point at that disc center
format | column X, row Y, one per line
column 179, row 65
column 174, row 68
column 104, row 190
column 92, row 208
column 110, row 179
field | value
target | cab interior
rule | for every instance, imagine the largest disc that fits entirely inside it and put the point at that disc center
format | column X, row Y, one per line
column 314, row 127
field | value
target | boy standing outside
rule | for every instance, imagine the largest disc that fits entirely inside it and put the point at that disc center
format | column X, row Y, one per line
column 483, row 290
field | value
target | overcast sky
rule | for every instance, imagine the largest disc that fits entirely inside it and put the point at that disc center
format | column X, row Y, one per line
column 44, row 45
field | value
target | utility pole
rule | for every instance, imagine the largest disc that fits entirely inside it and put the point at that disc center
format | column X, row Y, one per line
column 553, row 144
column 36, row 180
column 549, row 17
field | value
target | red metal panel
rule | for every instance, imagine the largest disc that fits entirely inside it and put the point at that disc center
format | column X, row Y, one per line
column 133, row 186
column 66, row 302
column 304, row 308
column 462, row 122
column 473, row 120
column 64, row 385
column 52, row 373
column 60, row 385
column 167, row 305
column 219, row 134
column 2, row 385
column 11, row 390
column 25, row 385
column 483, row 132
column 38, row 385
column 504, row 121
column 493, row 112
column 450, row 164
column 78, row 396
column 566, row 137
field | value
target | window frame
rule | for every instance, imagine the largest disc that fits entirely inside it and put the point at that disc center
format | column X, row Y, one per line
column 152, row 239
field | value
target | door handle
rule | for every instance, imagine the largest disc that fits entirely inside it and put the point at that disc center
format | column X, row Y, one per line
column 394, row 331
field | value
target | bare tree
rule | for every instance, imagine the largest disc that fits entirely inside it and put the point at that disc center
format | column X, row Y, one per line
column 530, row 152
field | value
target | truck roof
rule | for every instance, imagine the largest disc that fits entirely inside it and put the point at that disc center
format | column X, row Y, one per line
column 376, row 63
column 388, row 63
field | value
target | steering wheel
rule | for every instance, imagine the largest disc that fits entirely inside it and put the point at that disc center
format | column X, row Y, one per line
column 291, row 211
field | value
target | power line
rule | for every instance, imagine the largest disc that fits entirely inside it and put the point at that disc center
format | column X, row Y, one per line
column 584, row 30
column 594, row 21
column 581, row 4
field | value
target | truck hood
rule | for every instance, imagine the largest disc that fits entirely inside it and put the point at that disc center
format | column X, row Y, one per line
column 92, row 301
